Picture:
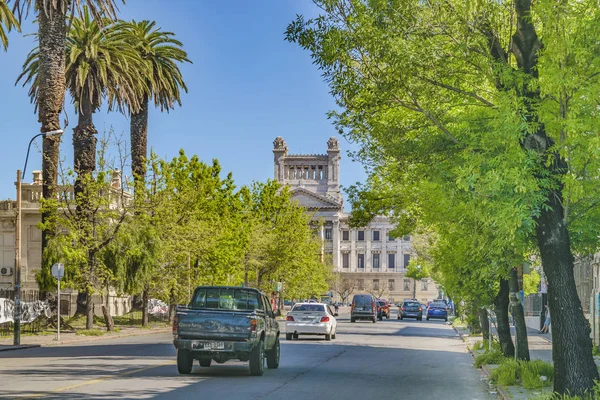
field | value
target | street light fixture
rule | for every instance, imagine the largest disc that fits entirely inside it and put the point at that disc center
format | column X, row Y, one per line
column 17, row 308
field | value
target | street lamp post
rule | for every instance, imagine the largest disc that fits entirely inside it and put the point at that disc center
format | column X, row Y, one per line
column 20, row 176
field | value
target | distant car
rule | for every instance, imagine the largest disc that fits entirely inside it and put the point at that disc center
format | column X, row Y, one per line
column 437, row 310
column 411, row 309
column 383, row 310
column 363, row 307
column 310, row 319
column 288, row 303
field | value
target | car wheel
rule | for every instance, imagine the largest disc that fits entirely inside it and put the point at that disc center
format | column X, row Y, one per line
column 374, row 319
column 399, row 317
column 184, row 361
column 205, row 362
column 273, row 356
column 446, row 319
column 327, row 337
column 402, row 318
column 333, row 335
column 257, row 359
column 295, row 335
column 352, row 320
column 427, row 318
column 288, row 336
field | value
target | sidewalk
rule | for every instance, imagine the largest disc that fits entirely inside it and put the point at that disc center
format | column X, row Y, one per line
column 29, row 341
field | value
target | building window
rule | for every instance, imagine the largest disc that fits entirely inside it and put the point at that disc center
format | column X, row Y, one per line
column 376, row 236
column 424, row 284
column 375, row 261
column 361, row 236
column 391, row 284
column 345, row 260
column 345, row 235
column 406, row 260
column 391, row 261
column 361, row 284
column 375, row 284
column 390, row 237
column 361, row 261
column 328, row 234
column 407, row 285
column 406, row 238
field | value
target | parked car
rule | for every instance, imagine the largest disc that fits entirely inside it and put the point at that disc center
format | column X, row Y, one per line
column 411, row 309
column 311, row 319
column 437, row 310
column 383, row 310
column 363, row 307
column 222, row 323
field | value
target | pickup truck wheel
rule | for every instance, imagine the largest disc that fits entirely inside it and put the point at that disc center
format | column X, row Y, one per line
column 184, row 361
column 205, row 362
column 257, row 359
column 273, row 356
column 288, row 336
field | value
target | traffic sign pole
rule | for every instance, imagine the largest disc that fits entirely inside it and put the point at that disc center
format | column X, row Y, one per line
column 58, row 271
column 58, row 308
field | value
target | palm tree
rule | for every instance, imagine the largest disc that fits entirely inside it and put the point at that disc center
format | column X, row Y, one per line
column 8, row 20
column 99, row 65
column 53, row 18
column 162, row 52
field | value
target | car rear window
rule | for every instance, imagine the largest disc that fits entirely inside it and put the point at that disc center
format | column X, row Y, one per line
column 309, row 307
column 362, row 301
column 225, row 299
column 381, row 303
column 412, row 304
column 437, row 305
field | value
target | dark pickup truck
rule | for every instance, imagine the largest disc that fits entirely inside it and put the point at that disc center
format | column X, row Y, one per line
column 223, row 323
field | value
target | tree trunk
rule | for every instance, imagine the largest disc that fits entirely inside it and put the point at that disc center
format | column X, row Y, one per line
column 485, row 323
column 89, row 311
column 473, row 318
column 172, row 306
column 84, row 146
column 145, row 307
column 414, row 289
column 52, row 27
column 574, row 367
column 502, row 324
column 110, row 325
column 139, row 145
column 519, row 316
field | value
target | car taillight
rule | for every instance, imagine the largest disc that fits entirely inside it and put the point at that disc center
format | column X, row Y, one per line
column 420, row 309
column 324, row 319
column 403, row 308
column 289, row 318
column 373, row 305
column 175, row 325
column 252, row 325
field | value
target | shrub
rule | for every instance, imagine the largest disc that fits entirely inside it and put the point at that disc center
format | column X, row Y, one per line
column 507, row 373
column 480, row 345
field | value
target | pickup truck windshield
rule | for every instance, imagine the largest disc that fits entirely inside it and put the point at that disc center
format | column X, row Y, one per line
column 225, row 299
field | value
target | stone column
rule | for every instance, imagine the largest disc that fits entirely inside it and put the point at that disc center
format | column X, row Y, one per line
column 335, row 236
column 279, row 152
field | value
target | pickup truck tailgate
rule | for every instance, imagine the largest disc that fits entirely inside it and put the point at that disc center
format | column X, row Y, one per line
column 209, row 324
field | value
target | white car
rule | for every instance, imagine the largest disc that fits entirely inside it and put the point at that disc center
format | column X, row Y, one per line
column 310, row 319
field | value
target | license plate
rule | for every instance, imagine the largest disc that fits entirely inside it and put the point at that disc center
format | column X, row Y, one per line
column 208, row 346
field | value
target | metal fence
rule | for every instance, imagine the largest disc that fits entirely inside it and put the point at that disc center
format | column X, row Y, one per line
column 38, row 325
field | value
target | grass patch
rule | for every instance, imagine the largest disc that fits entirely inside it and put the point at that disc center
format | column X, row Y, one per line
column 90, row 332
column 493, row 357
column 457, row 323
column 532, row 375
column 507, row 373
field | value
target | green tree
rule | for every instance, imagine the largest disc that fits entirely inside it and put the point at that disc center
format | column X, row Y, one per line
column 53, row 18
column 493, row 96
column 164, row 81
column 7, row 23
column 416, row 272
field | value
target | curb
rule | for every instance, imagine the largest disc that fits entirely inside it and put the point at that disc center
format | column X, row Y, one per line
column 86, row 339
column 505, row 395
column 10, row 347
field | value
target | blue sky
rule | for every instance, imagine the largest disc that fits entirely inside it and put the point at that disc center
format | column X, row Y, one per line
column 246, row 86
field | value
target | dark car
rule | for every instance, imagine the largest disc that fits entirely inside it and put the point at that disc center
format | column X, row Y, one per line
column 383, row 310
column 363, row 307
column 437, row 310
column 411, row 309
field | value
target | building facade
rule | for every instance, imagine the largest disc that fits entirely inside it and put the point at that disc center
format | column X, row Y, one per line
column 368, row 259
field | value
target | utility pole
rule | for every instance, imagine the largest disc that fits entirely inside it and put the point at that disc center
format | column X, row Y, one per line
column 17, row 313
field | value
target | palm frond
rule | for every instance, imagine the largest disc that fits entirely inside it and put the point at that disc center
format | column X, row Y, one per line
column 7, row 22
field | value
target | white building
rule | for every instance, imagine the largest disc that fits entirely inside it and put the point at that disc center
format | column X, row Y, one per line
column 368, row 256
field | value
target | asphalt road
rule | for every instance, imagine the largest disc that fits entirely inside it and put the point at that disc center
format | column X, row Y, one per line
column 390, row 359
